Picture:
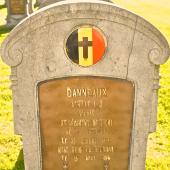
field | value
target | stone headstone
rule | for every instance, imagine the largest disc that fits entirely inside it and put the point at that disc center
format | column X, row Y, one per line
column 85, row 78
column 17, row 11
column 43, row 3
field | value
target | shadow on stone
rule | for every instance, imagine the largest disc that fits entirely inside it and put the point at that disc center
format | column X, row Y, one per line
column 19, row 165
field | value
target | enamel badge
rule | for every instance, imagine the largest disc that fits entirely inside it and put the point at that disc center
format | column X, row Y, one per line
column 86, row 46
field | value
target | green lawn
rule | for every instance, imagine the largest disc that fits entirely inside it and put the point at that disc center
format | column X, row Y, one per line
column 158, row 154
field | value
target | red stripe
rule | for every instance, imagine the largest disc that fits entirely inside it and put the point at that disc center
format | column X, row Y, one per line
column 98, row 46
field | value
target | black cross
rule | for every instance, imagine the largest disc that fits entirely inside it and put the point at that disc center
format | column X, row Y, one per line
column 85, row 44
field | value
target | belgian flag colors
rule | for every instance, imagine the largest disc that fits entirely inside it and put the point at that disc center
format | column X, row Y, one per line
column 85, row 46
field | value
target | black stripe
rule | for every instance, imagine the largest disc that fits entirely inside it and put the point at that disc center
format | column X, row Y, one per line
column 72, row 47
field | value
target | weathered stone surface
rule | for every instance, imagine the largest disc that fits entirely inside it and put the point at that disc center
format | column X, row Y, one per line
column 35, row 50
column 43, row 3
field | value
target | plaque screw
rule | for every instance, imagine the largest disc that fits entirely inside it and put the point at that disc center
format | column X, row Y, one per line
column 65, row 164
column 106, row 167
column 106, row 162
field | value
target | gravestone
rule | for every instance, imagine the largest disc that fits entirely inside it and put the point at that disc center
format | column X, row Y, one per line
column 17, row 11
column 85, row 80
column 43, row 3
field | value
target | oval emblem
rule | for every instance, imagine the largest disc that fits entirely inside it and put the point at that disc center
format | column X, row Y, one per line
column 86, row 46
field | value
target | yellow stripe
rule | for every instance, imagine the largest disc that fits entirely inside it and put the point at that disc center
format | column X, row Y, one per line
column 85, row 32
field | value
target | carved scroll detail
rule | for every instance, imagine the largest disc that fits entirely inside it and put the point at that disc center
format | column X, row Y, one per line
column 11, row 53
column 14, row 57
column 156, row 56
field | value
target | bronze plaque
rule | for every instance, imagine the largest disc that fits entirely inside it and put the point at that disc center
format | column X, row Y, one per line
column 17, row 7
column 86, row 123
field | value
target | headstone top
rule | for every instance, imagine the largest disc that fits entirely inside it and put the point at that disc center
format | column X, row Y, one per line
column 77, row 9
column 44, row 3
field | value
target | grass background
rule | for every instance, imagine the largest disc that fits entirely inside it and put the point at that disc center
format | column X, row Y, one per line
column 158, row 152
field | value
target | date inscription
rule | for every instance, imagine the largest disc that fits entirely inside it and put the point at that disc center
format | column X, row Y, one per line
column 85, row 123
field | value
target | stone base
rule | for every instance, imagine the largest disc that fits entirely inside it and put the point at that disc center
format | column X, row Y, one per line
column 13, row 20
